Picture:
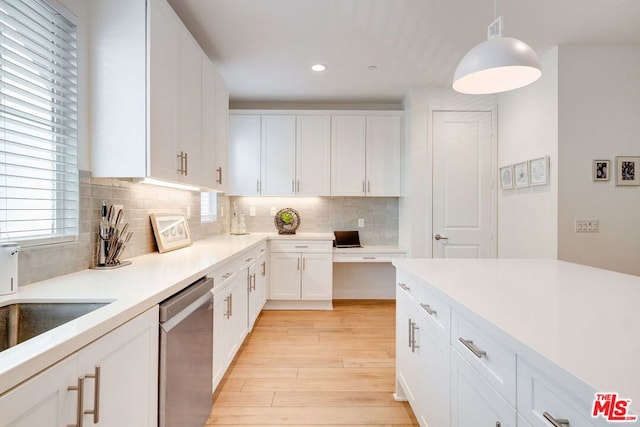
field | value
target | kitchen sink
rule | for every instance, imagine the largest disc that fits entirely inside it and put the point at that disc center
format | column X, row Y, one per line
column 22, row 321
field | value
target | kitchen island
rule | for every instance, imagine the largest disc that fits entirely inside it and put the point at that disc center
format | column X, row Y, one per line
column 563, row 329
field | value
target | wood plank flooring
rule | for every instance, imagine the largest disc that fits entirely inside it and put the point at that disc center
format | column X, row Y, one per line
column 320, row 368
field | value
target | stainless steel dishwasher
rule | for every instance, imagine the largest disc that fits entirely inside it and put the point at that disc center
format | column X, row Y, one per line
column 186, row 356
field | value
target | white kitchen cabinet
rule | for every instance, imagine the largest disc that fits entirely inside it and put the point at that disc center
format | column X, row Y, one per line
column 313, row 155
column 366, row 155
column 45, row 400
column 301, row 270
column 474, row 402
column 348, row 167
column 146, row 105
column 121, row 369
column 244, row 154
column 278, row 161
column 257, row 287
column 221, row 119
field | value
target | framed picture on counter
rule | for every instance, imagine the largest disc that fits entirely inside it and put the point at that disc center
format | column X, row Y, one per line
column 601, row 170
column 521, row 174
column 171, row 230
column 627, row 170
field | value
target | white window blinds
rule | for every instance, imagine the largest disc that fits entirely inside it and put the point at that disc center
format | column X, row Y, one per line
column 38, row 122
column 208, row 206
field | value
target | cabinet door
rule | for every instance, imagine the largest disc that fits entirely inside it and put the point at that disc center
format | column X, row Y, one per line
column 221, row 133
column 239, row 312
column 317, row 276
column 44, row 400
column 208, row 161
column 384, row 150
column 127, row 388
column 474, row 402
column 278, row 155
column 348, row 156
column 284, row 277
column 313, row 155
column 190, row 107
column 221, row 335
column 404, row 314
column 164, row 48
column 244, row 155
column 257, row 288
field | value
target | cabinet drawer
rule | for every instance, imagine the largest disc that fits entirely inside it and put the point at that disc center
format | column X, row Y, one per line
column 493, row 360
column 249, row 258
column 223, row 274
column 301, row 246
column 538, row 395
column 435, row 310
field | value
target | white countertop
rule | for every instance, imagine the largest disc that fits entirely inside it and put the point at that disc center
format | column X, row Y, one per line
column 133, row 289
column 583, row 319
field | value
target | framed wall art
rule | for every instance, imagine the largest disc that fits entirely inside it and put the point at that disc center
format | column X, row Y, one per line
column 627, row 170
column 171, row 230
column 539, row 171
column 601, row 170
column 506, row 177
column 521, row 174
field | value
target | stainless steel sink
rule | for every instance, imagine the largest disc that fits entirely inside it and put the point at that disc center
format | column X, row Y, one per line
column 22, row 321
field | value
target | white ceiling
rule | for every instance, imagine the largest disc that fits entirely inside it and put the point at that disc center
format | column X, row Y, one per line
column 264, row 48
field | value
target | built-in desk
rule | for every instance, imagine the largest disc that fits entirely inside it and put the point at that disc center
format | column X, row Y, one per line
column 365, row 273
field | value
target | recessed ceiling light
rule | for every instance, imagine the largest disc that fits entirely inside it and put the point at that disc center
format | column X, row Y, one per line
column 318, row 67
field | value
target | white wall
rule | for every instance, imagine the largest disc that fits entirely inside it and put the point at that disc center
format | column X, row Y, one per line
column 528, row 129
column 415, row 206
column 599, row 115
column 80, row 9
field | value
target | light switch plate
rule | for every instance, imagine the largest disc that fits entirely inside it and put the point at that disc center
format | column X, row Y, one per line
column 361, row 222
column 252, row 211
column 273, row 211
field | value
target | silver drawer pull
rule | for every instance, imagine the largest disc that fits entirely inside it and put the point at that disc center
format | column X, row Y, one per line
column 96, row 395
column 301, row 247
column 248, row 260
column 79, row 402
column 475, row 350
column 369, row 257
column 559, row 422
column 428, row 309
column 404, row 287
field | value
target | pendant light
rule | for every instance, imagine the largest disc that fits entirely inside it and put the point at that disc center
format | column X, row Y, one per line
column 497, row 65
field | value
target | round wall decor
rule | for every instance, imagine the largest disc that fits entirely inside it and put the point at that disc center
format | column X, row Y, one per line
column 287, row 221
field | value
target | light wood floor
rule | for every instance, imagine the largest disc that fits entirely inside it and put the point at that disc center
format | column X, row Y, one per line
column 321, row 368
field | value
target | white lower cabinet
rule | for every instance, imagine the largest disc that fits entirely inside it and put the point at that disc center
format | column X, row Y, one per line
column 301, row 275
column 117, row 375
column 474, row 402
column 257, row 283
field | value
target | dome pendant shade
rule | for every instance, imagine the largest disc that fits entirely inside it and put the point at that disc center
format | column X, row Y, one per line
column 497, row 65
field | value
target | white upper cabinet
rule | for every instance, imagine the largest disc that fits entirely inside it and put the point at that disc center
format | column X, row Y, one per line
column 383, row 155
column 278, row 155
column 221, row 118
column 313, row 155
column 147, row 94
column 347, row 156
column 215, row 127
column 244, row 155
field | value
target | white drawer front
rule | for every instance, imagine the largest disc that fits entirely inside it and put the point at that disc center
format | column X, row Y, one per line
column 249, row 258
column 223, row 274
column 494, row 361
column 541, row 398
column 301, row 246
column 435, row 310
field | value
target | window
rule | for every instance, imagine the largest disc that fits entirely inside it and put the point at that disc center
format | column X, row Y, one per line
column 208, row 206
column 38, row 122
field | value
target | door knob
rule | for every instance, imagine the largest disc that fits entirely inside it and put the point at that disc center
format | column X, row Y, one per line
column 439, row 237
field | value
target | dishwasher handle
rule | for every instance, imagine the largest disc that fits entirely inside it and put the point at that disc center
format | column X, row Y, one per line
column 206, row 299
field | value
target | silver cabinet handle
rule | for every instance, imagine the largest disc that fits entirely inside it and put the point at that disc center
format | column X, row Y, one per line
column 230, row 305
column 368, row 186
column 257, row 186
column 293, row 186
column 181, row 171
column 301, row 246
column 80, row 402
column 227, row 313
column 264, row 268
column 298, row 263
column 414, row 345
column 369, row 257
column 186, row 164
column 439, row 237
column 303, row 263
column 428, row 309
column 253, row 282
column 96, row 395
column 556, row 422
column 410, row 333
column 227, row 275
column 297, row 186
column 404, row 287
column 472, row 348
column 364, row 188
column 248, row 260
column 219, row 173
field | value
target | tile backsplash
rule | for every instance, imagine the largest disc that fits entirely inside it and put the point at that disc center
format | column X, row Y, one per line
column 327, row 214
column 43, row 262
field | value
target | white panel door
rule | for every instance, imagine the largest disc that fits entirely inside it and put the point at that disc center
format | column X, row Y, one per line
column 284, row 276
column 163, row 72
column 244, row 155
column 317, row 276
column 464, row 194
column 383, row 157
column 278, row 155
column 348, row 156
column 222, row 133
column 208, row 160
column 190, row 107
column 313, row 155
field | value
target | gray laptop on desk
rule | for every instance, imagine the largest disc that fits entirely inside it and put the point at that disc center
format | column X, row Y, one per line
column 347, row 239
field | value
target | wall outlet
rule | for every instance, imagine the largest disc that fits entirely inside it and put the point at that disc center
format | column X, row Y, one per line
column 252, row 211
column 587, row 226
column 361, row 222
column 273, row 211
column 221, row 211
